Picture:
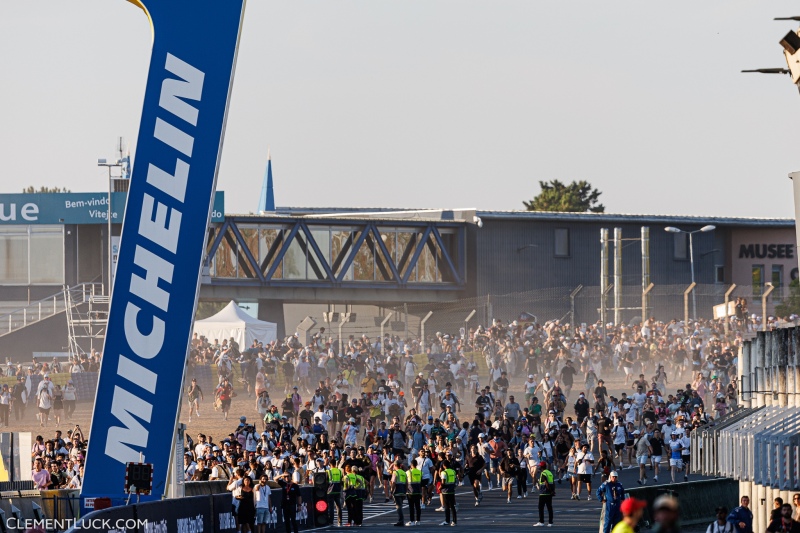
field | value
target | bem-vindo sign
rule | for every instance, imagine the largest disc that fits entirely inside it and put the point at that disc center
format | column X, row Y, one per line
column 163, row 240
column 74, row 208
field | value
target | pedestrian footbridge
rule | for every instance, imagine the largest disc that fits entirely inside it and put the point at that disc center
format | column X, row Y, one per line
column 335, row 258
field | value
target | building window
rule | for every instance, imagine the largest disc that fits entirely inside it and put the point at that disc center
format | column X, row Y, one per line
column 758, row 279
column 32, row 255
column 719, row 274
column 680, row 246
column 777, row 276
column 561, row 241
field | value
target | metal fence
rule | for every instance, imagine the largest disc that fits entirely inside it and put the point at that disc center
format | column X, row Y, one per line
column 582, row 304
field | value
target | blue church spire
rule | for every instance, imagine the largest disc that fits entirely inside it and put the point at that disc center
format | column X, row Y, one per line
column 266, row 201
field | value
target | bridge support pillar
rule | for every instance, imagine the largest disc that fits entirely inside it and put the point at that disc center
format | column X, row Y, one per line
column 272, row 311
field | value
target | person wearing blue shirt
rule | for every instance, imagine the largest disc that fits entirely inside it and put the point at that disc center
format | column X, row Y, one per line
column 611, row 493
column 741, row 518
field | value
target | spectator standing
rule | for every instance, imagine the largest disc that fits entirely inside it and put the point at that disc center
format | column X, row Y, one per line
column 5, row 406
column 40, row 476
column 784, row 523
column 262, row 500
column 289, row 502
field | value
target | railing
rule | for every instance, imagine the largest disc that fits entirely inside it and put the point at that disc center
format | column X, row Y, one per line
column 50, row 306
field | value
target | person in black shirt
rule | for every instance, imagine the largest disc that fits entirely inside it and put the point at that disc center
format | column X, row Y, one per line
column 290, row 499
column 600, row 393
column 201, row 473
column 567, row 377
column 354, row 410
column 475, row 466
column 657, row 444
column 581, row 408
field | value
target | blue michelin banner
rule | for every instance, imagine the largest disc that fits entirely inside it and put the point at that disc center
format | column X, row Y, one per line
column 163, row 237
column 75, row 208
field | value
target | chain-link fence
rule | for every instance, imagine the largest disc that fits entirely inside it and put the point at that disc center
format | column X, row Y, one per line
column 574, row 305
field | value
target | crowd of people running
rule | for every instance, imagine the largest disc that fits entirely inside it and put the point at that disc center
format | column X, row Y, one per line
column 372, row 412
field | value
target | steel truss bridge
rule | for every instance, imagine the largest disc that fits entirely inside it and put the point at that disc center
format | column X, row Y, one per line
column 319, row 259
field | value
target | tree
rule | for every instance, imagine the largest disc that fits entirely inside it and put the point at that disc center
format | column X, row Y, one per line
column 791, row 304
column 207, row 309
column 577, row 197
column 43, row 189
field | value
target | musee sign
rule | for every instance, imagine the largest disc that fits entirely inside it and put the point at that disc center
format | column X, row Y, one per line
column 766, row 251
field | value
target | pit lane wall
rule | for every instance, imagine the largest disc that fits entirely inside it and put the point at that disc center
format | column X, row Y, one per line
column 697, row 499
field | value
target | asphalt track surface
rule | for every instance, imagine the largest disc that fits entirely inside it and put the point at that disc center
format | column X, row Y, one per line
column 494, row 514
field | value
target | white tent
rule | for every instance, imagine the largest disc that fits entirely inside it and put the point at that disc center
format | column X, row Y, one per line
column 233, row 322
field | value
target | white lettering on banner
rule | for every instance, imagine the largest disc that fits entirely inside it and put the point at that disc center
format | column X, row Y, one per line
column 173, row 90
column 159, row 224
column 158, row 230
column 137, row 374
column 173, row 137
column 145, row 346
column 191, row 525
column 30, row 212
column 156, row 268
column 124, row 406
column 156, row 527
column 174, row 185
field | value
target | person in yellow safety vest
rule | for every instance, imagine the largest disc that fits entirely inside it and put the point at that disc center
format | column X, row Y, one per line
column 399, row 484
column 350, row 491
column 361, row 493
column 414, row 493
column 335, row 478
column 547, row 490
column 448, row 477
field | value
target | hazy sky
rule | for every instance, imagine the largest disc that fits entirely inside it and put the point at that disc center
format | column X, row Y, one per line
column 434, row 103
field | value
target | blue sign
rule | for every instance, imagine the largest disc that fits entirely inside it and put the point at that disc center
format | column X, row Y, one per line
column 163, row 240
column 75, row 208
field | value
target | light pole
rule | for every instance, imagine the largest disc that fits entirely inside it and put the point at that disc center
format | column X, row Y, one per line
column 704, row 229
column 118, row 163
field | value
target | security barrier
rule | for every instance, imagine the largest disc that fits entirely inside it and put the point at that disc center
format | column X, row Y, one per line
column 200, row 514
column 698, row 499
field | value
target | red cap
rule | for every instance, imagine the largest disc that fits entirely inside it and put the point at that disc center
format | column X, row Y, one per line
column 631, row 505
column 542, row 465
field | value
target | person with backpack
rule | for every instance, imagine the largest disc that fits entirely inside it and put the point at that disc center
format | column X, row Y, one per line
column 547, row 489
column 720, row 525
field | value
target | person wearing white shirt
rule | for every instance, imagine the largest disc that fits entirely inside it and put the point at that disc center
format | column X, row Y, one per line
column 531, row 454
column 585, row 460
column 686, row 443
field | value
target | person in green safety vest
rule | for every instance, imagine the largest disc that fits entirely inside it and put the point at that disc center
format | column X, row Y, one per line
column 448, row 477
column 547, row 490
column 399, row 484
column 361, row 493
column 335, row 479
column 350, row 493
column 414, row 494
